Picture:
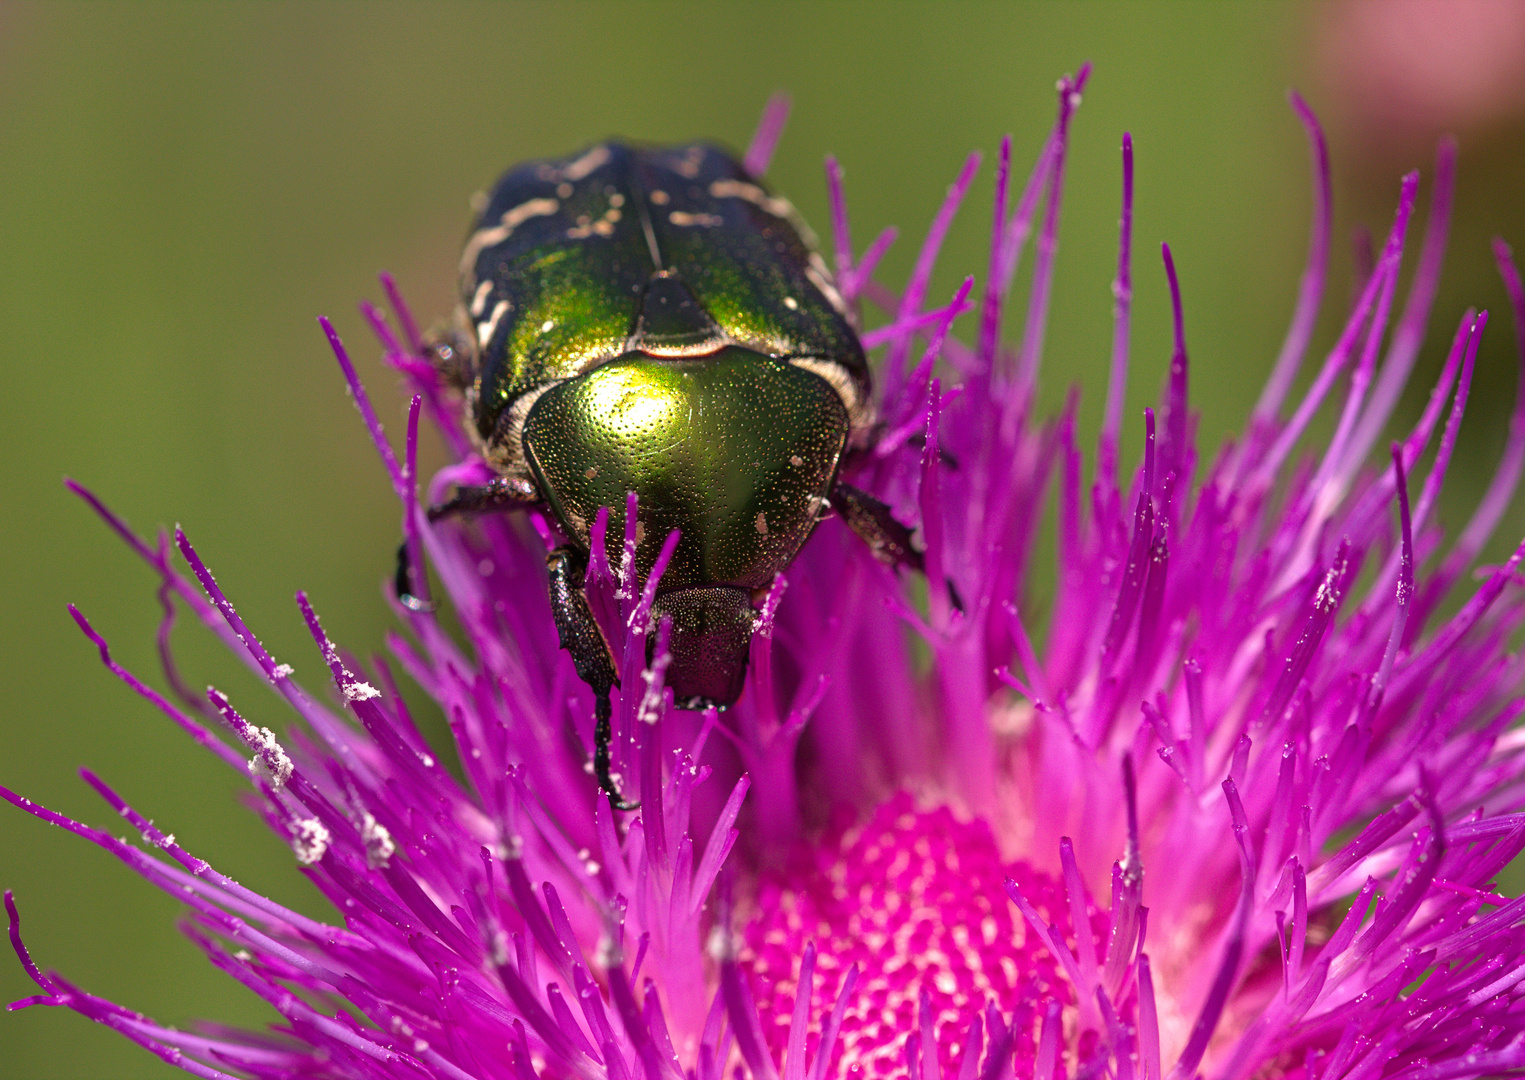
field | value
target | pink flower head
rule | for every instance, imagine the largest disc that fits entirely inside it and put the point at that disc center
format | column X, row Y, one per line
column 1237, row 811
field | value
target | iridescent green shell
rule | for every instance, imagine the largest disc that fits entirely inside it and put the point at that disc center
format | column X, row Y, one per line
column 653, row 320
column 553, row 275
column 735, row 449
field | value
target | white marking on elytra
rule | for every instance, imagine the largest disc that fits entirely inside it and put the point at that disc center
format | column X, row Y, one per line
column 688, row 164
column 547, row 326
column 770, row 204
column 593, row 159
column 604, row 226
column 486, row 330
column 526, row 210
column 496, row 234
column 791, row 303
column 819, row 276
column 740, row 189
column 479, row 299
column 708, row 221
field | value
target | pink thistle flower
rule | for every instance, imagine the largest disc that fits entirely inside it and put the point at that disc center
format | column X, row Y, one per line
column 1238, row 813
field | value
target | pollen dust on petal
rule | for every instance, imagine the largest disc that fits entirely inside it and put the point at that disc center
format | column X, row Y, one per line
column 915, row 899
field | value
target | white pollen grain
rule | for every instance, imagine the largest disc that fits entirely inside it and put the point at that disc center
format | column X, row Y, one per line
column 360, row 691
column 269, row 759
column 379, row 846
column 310, row 838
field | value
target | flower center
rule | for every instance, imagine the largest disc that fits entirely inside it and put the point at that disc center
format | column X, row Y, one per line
column 915, row 899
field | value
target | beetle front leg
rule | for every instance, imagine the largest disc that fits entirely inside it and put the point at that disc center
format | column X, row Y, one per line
column 591, row 656
column 504, row 493
column 887, row 538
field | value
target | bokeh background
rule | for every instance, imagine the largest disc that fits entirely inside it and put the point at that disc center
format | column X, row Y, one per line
column 183, row 188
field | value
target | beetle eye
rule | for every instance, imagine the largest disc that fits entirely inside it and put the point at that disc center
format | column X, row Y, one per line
column 450, row 355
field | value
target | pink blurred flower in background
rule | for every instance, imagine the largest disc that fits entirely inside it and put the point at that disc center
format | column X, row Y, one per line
column 1406, row 70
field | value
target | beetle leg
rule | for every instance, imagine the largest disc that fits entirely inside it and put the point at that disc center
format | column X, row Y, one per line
column 591, row 656
column 402, row 582
column 888, row 539
column 504, row 493
column 501, row 495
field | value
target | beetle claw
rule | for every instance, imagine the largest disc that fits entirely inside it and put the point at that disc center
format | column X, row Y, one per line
column 402, row 583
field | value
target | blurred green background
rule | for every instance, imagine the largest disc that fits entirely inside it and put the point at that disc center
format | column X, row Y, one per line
column 183, row 188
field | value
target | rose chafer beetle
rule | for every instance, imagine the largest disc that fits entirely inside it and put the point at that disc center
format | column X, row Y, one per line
column 653, row 320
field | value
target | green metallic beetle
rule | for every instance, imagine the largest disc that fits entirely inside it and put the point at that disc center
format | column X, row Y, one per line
column 654, row 321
